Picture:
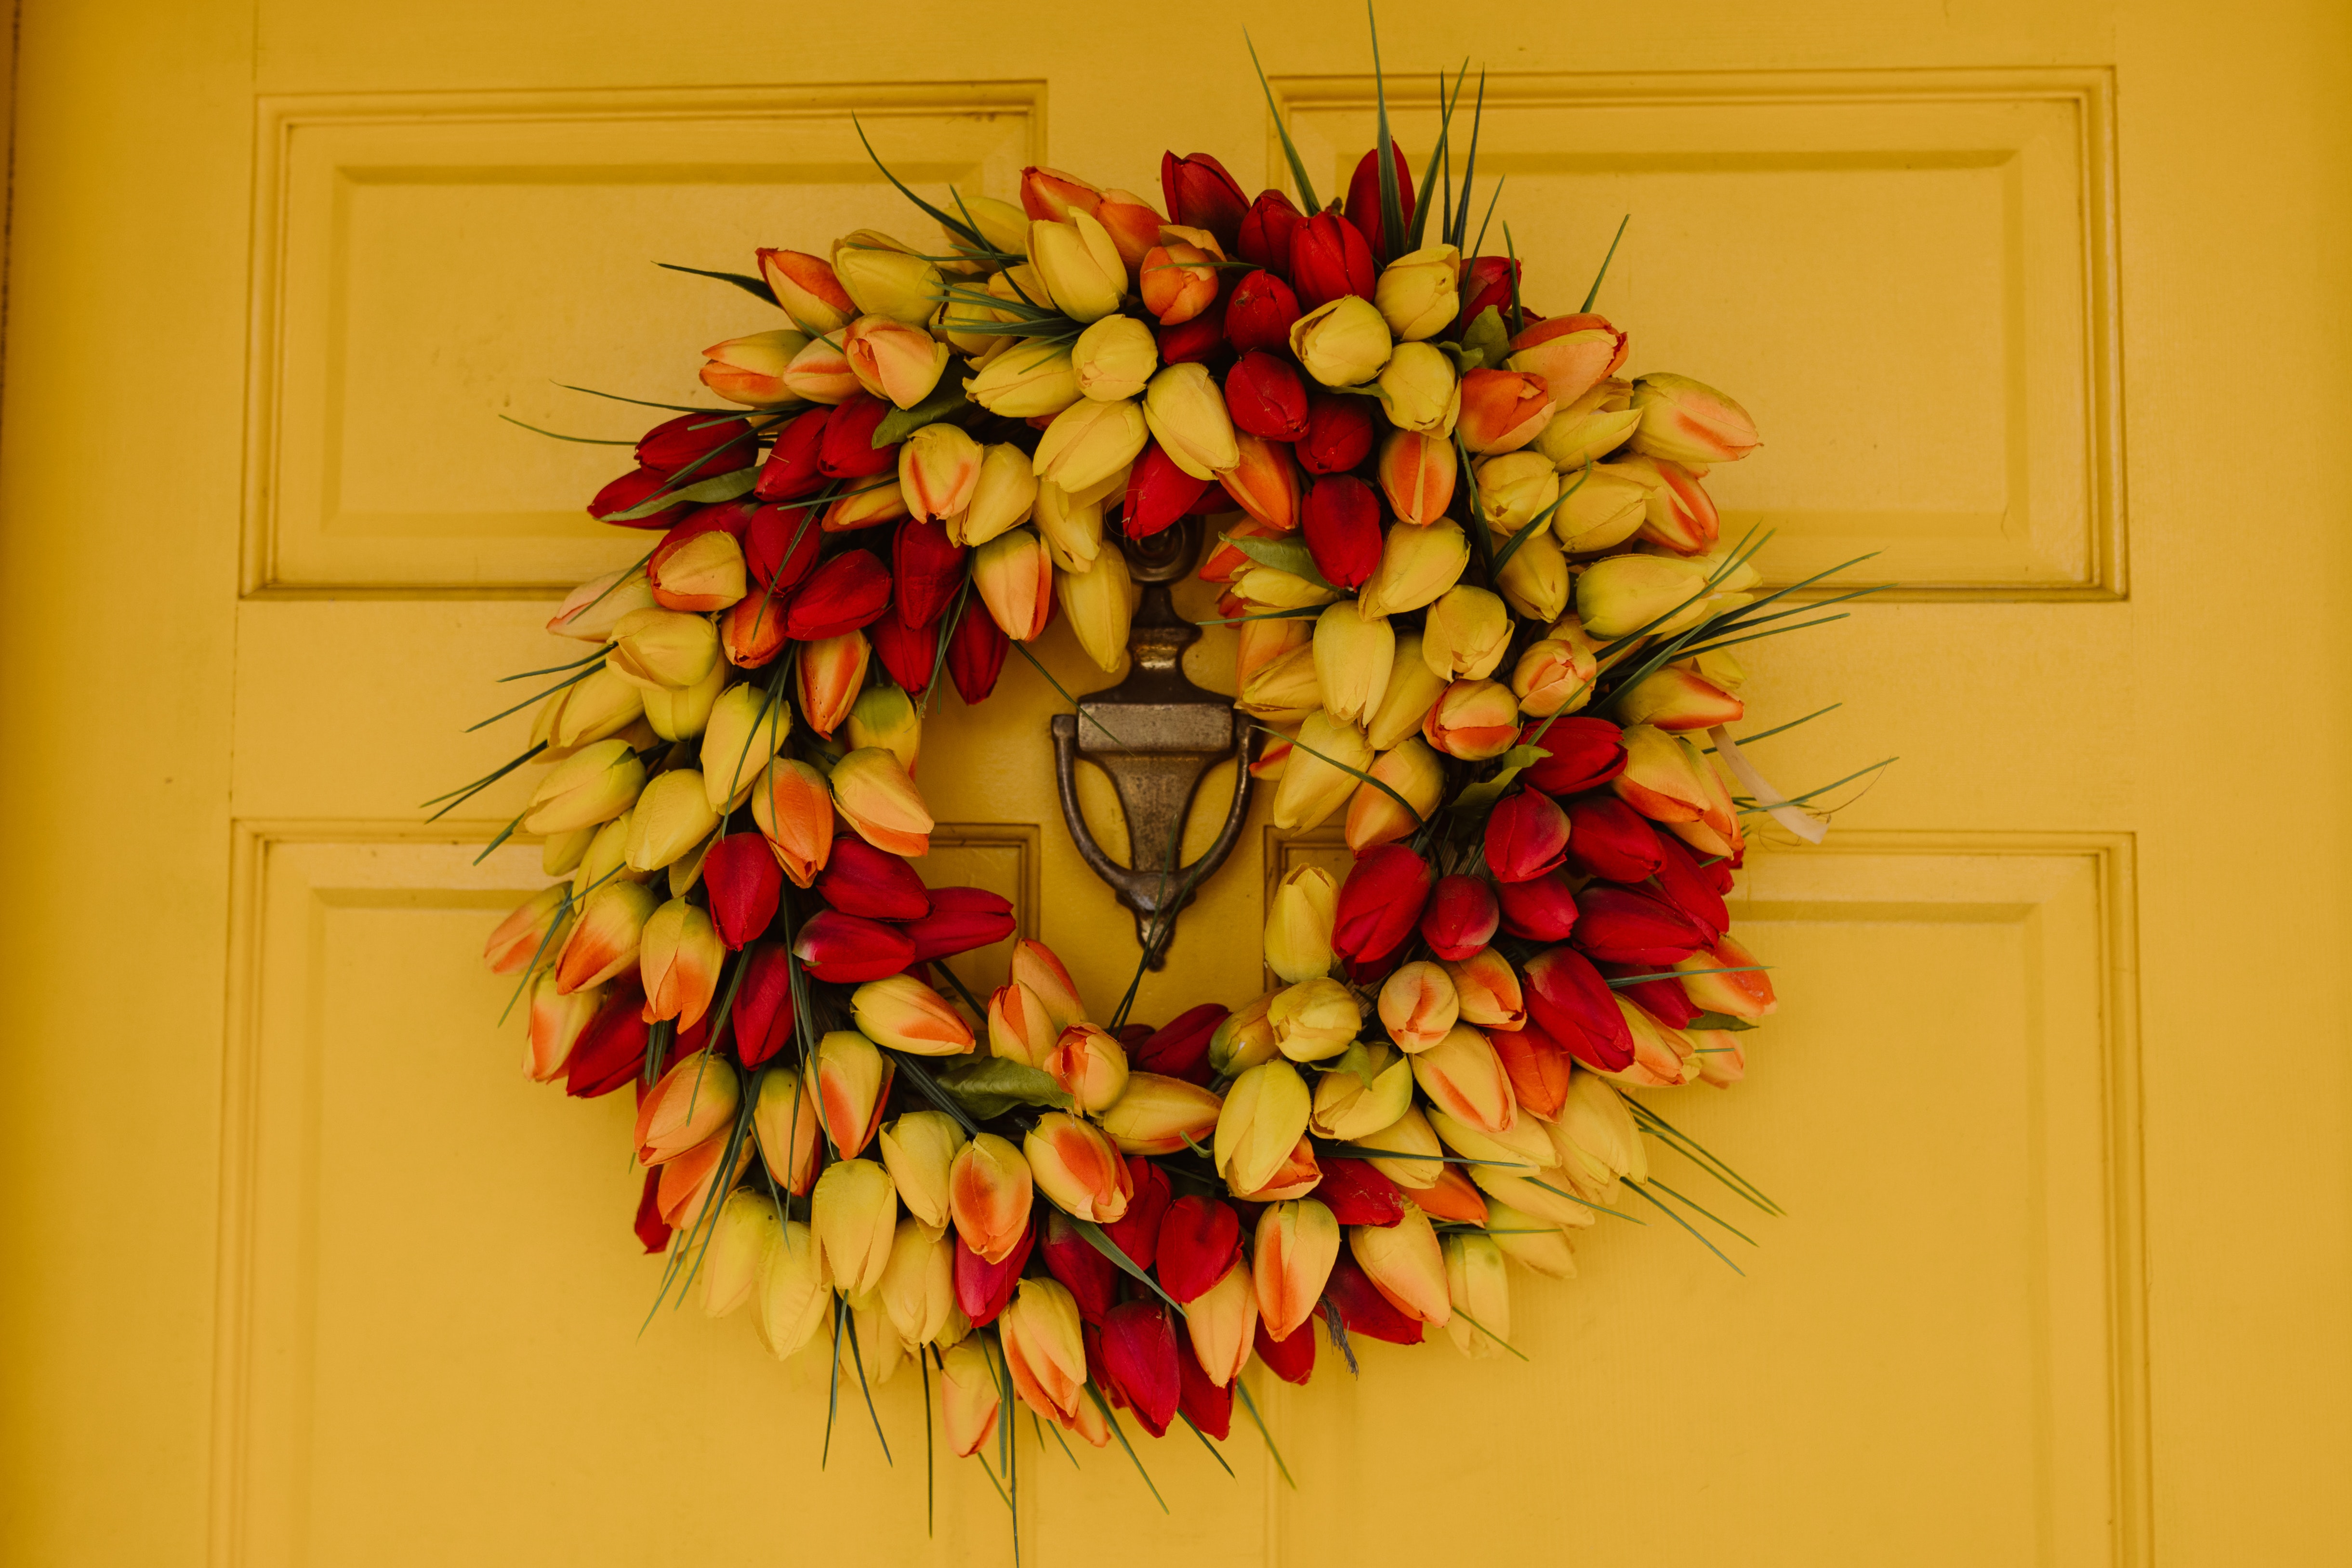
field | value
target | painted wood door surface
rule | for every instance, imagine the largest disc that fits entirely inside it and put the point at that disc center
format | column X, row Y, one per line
column 2040, row 302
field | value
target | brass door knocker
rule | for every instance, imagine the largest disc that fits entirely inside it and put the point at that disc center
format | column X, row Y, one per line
column 1157, row 735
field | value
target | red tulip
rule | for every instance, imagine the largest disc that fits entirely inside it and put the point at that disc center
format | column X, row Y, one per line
column 862, row 880
column 1201, row 340
column 1356, row 1193
column 762, row 1015
column 612, row 1050
column 1341, row 519
column 1488, row 283
column 1379, row 903
column 1329, row 258
column 652, row 1229
column 1665, row 1000
column 1141, row 1363
column 1157, row 492
column 1461, row 918
column 1526, row 837
column 976, row 651
column 908, row 652
column 780, row 547
column 927, row 567
column 848, row 591
column 745, row 884
column 1202, row 195
column 1200, row 1239
column 1543, row 910
column 1581, row 754
column 1362, row 1309
column 983, row 1288
column 1267, row 397
column 1209, row 1406
column 1090, row 1277
column 1364, row 200
column 1181, row 1049
column 1260, row 314
column 1628, row 925
column 1265, row 231
column 1689, row 886
column 846, row 949
column 1137, row 1232
column 633, row 489
column 791, row 471
column 1569, row 1001
column 1292, row 1359
column 1608, row 838
column 733, row 517
column 847, row 451
column 1537, row 1066
column 1338, row 434
column 962, row 919
column 708, row 445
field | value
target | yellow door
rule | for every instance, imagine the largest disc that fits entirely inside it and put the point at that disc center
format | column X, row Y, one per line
column 2041, row 302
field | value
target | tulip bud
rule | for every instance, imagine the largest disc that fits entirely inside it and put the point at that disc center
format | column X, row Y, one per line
column 1202, row 195
column 693, row 1101
column 1089, row 442
column 1418, row 1003
column 594, row 784
column 1351, row 657
column 1597, row 1139
column 1408, row 694
column 696, row 446
column 1177, row 280
column 807, row 290
column 969, row 1398
column 888, row 282
column 1158, row 1115
column 886, row 717
column 1480, row 1294
column 522, row 938
column 989, row 1187
column 671, row 817
column 682, row 715
column 1050, row 194
column 1418, row 390
column 1554, row 676
column 1416, row 475
column 1605, row 507
column 1100, row 605
column 1417, row 564
column 604, row 943
column 1591, row 428
column 1044, row 1349
column 880, row 801
column 794, row 810
column 1463, row 1078
column 1134, row 225
column 855, row 1214
column 831, row 673
column 1414, row 783
column 1321, row 777
column 1076, row 1168
column 1315, row 1018
column 1091, row 1279
column 1462, row 918
column 1662, row 777
column 1298, row 924
column 1502, row 410
column 939, row 468
column 1541, row 910
column 1265, row 1114
column 917, row 1286
column 621, row 503
column 1675, row 699
column 1018, row 1027
column 1625, row 594
column 1488, row 992
column 1608, row 838
column 1367, row 1087
column 903, row 1013
column 962, row 919
column 1264, row 482
column 1329, row 259
column 1342, row 343
column 1406, row 1265
column 750, row 370
column 1243, row 1039
column 1736, row 987
column 1412, row 1159
column 1419, row 293
column 1525, row 837
column 1466, row 633
column 1186, row 413
column 820, row 372
column 1685, row 421
column 1027, row 380
column 918, row 1150
column 794, row 1291
column 1570, row 354
column 1073, row 533
column 1090, row 1065
column 842, row 949
column 590, row 610
column 1338, row 434
column 1079, row 263
column 679, row 953
column 1474, row 720
column 1568, row 1001
column 1513, row 488
column 557, row 1021
column 892, row 360
column 698, row 565
column 747, row 1226
column 1139, row 1363
column 1260, row 314
column 1264, row 397
column 1113, row 360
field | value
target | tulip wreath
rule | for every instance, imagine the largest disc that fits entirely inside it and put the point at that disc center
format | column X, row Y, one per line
column 1482, row 610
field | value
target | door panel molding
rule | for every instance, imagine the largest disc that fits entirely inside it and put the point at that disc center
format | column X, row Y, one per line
column 1925, row 260
column 398, row 303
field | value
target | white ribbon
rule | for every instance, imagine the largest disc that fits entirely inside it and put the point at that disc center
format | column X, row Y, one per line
column 1794, row 818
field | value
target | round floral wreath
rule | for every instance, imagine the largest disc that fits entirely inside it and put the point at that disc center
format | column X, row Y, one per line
column 1462, row 540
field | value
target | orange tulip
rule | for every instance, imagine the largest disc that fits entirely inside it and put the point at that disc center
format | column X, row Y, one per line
column 1090, row 1065
column 1035, row 965
column 1675, row 699
column 1686, row 421
column 1411, row 1144
column 1014, row 577
column 1298, row 1243
column 1570, row 354
column 806, row 287
column 1178, row 280
column 1463, row 1078
column 784, row 1119
column 1419, row 1005
column 905, row 1014
column 522, row 937
column 794, row 810
column 1489, row 990
column 853, row 1079
column 683, row 1196
column 1018, row 1028
column 1264, row 482
column 1474, row 720
column 875, row 797
column 1417, row 474
column 1076, row 1167
column 988, row 1190
column 1406, row 1265
column 1413, row 770
column 1743, row 995
column 1222, row 1323
column 604, row 943
column 855, row 1213
column 694, row 1101
column 969, row 1396
column 557, row 1019
column 679, row 956
column 1158, row 1115
column 892, row 360
column 1296, row 1176
column 831, row 672
column 1043, row 1348
column 1502, row 410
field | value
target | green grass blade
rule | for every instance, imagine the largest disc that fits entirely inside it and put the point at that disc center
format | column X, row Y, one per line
column 1594, row 292
column 1111, row 1416
column 559, row 435
column 1289, row 148
column 1250, row 1405
column 1469, row 174
column 1205, row 1443
column 858, row 1356
column 1702, row 1209
column 1637, row 1189
column 953, row 225
column 756, row 286
column 1491, row 1334
column 1778, row 729
column 1022, row 649
column 1384, row 152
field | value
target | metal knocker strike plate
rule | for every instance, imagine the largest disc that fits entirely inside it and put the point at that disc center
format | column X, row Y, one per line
column 1157, row 735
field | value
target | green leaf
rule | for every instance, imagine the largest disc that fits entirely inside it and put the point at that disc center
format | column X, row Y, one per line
column 953, row 225
column 1283, row 553
column 744, row 281
column 993, row 1086
column 1718, row 1020
column 1594, row 292
column 1485, row 337
column 1384, row 153
column 901, row 423
column 719, row 487
column 1289, row 148
column 1478, row 797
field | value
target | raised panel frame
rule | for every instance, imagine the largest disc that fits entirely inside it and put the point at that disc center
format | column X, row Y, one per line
column 2066, row 463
